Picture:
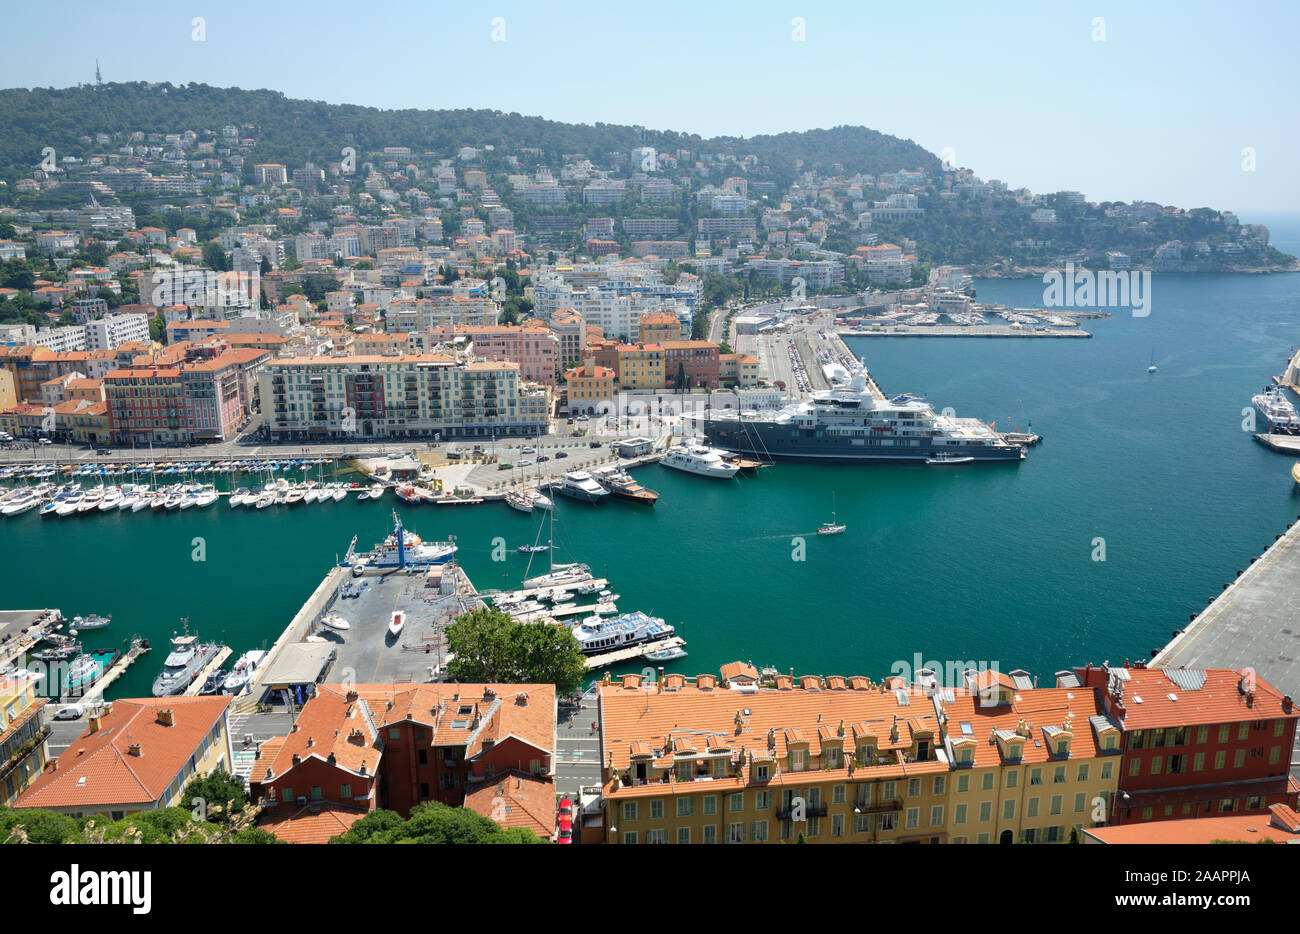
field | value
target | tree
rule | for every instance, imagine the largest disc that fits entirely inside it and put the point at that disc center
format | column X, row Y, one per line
column 220, row 793
column 215, row 256
column 491, row 647
column 435, row 823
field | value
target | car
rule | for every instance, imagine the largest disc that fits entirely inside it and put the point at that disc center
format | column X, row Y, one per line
column 69, row 712
column 593, row 444
column 504, row 465
column 565, row 816
column 99, row 451
column 528, row 451
column 560, row 454
column 453, row 455
column 543, row 457
column 566, row 808
column 525, row 463
column 44, row 441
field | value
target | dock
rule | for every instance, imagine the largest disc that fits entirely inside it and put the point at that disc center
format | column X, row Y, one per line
column 954, row 330
column 197, row 684
column 636, row 651
column 559, row 612
column 531, row 592
column 1283, row 444
column 95, row 694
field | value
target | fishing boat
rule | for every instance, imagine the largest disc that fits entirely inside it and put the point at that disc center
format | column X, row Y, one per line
column 396, row 623
column 242, row 672
column 832, row 527
column 86, row 669
column 334, row 621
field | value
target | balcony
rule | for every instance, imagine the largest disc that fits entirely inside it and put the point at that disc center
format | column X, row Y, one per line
column 809, row 810
column 893, row 804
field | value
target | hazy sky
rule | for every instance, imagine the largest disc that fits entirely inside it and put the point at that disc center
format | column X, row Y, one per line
column 1161, row 109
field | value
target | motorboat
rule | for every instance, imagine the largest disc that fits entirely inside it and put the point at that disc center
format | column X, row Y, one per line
column 941, row 460
column 187, row 658
column 579, row 484
column 396, row 623
column 334, row 621
column 242, row 672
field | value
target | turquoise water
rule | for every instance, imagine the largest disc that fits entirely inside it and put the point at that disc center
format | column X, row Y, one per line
column 984, row 563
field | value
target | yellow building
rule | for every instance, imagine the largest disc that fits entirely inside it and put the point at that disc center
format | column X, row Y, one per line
column 659, row 326
column 588, row 386
column 833, row 761
column 22, row 736
column 8, row 389
column 1030, row 765
column 136, row 755
column 640, row 366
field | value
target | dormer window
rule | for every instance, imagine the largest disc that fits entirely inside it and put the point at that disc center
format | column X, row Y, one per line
column 1013, row 750
column 797, row 760
column 966, row 756
column 760, row 773
column 1063, row 747
column 833, row 758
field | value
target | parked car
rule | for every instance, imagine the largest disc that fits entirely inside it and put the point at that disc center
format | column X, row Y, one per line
column 44, row 441
column 525, row 463
column 543, row 457
column 69, row 712
column 566, row 821
column 593, row 444
column 528, row 451
column 560, row 454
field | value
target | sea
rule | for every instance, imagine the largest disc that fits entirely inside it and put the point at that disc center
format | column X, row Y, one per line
column 1146, row 495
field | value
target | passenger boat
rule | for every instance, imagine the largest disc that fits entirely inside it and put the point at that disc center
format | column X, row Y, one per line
column 1278, row 412
column 597, row 635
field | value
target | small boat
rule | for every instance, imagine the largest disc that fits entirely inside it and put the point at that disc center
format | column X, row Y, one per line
column 666, row 655
column 376, row 491
column 832, row 527
column 339, row 494
column 212, row 684
column 532, row 549
column 83, row 623
column 206, row 497
column 940, row 460
column 396, row 623
column 296, row 495
column 1152, row 367
column 240, row 497
column 334, row 621
column 243, row 671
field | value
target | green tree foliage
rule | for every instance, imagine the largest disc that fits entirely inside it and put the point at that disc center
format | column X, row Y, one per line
column 491, row 647
column 433, row 823
column 220, row 794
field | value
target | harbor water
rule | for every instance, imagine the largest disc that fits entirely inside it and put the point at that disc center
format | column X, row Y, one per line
column 993, row 564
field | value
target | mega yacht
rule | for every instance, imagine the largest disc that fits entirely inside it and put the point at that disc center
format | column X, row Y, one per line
column 1278, row 412
column 187, row 658
column 700, row 460
column 851, row 423
column 597, row 635
column 580, row 485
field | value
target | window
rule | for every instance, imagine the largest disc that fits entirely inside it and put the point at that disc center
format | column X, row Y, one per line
column 1083, row 772
column 1106, row 769
column 656, row 836
column 630, row 837
column 1157, row 763
column 1243, row 731
column 736, row 802
column 710, row 804
column 657, row 809
column 959, row 814
column 1223, row 734
column 758, row 831
column 963, row 784
column 988, row 781
column 913, row 787
column 1009, row 809
column 286, row 794
column 760, row 773
column 1279, row 727
column 1274, row 755
column 1031, row 808
column 762, row 800
column 394, row 732
column 837, row 794
column 685, row 807
column 1013, row 778
column 796, row 760
column 711, row 833
column 683, row 835
column 913, row 818
column 736, row 833
column 1198, row 762
column 1058, row 776
column 1035, row 776
column 986, row 811
column 939, row 784
column 629, row 810
column 1220, row 759
column 1134, row 767
column 837, row 825
column 345, row 791
column 862, row 823
column 1239, row 758
column 936, row 815
column 1056, row 804
column 1202, row 734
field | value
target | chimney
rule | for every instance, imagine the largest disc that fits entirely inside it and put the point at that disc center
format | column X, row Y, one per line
column 1287, row 704
column 134, row 750
column 352, row 696
column 94, row 723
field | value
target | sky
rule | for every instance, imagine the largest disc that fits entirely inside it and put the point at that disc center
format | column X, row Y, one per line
column 1187, row 103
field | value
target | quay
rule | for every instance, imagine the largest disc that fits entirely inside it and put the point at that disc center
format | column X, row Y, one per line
column 973, row 330
column 21, row 630
column 531, row 592
column 619, row 656
column 201, row 678
column 1254, row 623
column 95, row 694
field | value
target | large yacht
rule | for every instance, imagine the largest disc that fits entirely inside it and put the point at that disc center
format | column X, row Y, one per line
column 1278, row 412
column 580, row 485
column 187, row 658
column 851, row 423
column 699, row 459
column 597, row 635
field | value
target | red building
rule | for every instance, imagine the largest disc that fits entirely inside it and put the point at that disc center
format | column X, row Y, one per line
column 691, row 364
column 393, row 746
column 1198, row 742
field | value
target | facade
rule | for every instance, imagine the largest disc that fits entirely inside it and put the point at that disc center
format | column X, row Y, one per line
column 1198, row 742
column 136, row 755
column 23, row 735
column 640, row 366
column 691, row 364
column 405, row 396
column 589, row 386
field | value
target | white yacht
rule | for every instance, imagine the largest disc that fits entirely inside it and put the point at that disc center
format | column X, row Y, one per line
column 699, row 459
column 581, row 485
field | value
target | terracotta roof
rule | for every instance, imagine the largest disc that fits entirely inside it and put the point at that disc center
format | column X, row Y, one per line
column 1159, row 697
column 332, row 724
column 1243, row 828
column 516, row 799
column 98, row 769
column 312, row 823
column 1043, row 711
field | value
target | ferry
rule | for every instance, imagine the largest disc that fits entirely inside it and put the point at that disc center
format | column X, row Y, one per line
column 597, row 635
column 619, row 482
column 242, row 672
column 1278, row 412
column 851, row 424
column 187, row 658
column 701, row 460
column 580, row 485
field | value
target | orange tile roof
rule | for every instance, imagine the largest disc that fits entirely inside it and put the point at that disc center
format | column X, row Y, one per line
column 334, row 724
column 516, row 799
column 312, row 823
column 1043, row 711
column 1219, row 700
column 98, row 770
column 1243, row 828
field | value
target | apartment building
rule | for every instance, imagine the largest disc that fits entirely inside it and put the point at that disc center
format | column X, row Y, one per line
column 136, row 755
column 533, row 347
column 23, row 734
column 1204, row 742
column 691, row 364
column 640, row 366
column 428, row 314
column 404, row 396
column 589, row 387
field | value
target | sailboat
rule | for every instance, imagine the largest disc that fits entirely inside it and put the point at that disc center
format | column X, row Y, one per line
column 559, row 573
column 832, row 527
column 1152, row 367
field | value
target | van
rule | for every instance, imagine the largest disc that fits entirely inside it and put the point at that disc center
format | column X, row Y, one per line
column 69, row 712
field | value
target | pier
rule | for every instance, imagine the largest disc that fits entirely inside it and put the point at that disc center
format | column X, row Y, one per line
column 954, row 330
column 619, row 656
column 95, row 694
column 201, row 678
